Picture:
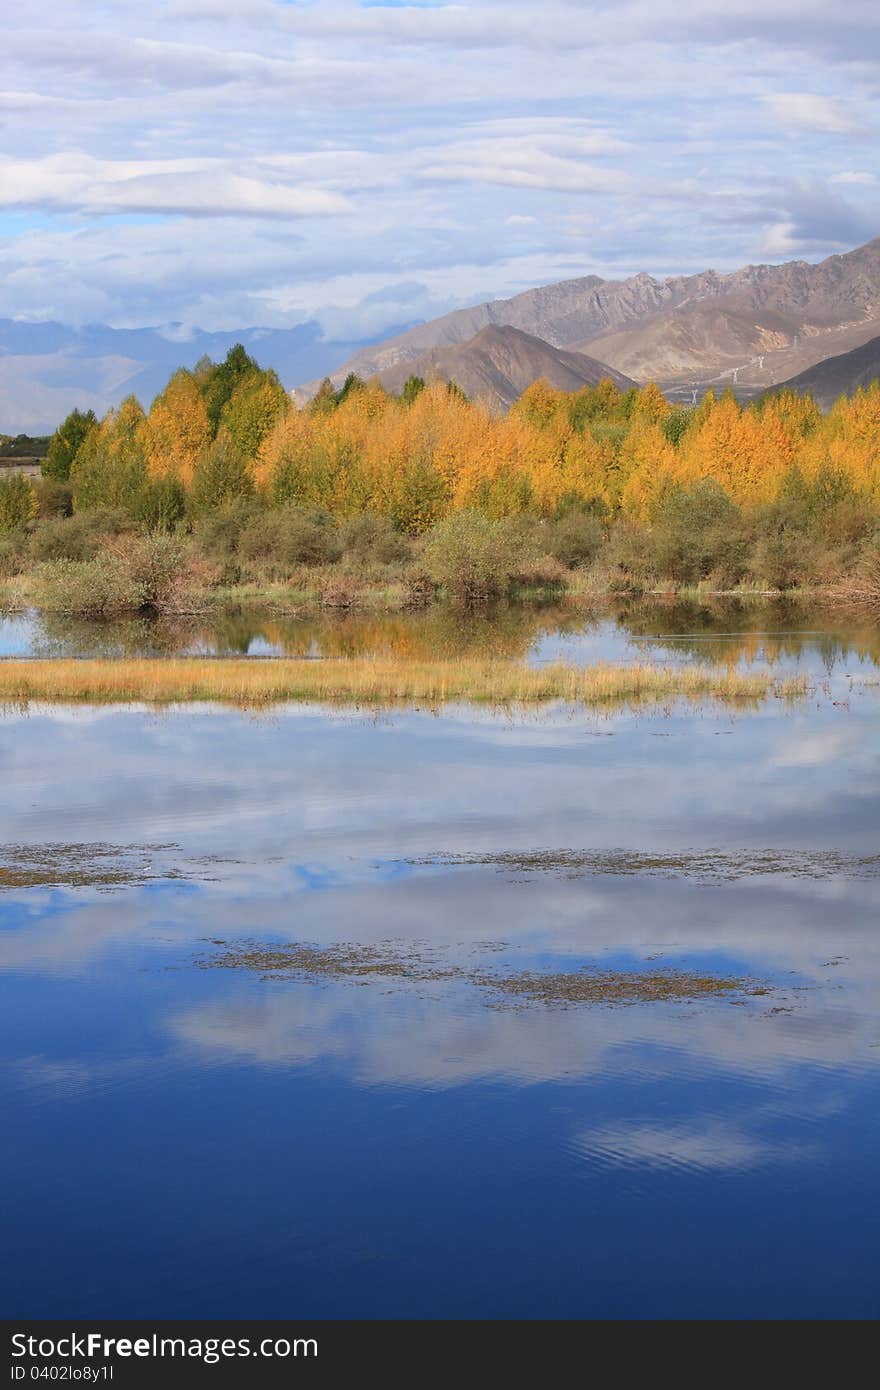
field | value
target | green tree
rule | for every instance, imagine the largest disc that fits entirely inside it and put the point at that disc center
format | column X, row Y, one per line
column 221, row 475
column 412, row 389
column 66, row 443
column 110, row 468
column 18, row 503
column 218, row 384
column 252, row 410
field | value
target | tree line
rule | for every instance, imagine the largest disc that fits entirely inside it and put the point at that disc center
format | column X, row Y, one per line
column 229, row 430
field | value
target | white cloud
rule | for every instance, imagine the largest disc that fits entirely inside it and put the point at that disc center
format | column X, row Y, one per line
column 858, row 176
column 201, row 187
column 439, row 129
column 807, row 111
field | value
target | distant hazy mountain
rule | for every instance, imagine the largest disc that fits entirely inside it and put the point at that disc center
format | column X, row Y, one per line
column 46, row 369
column 841, row 375
column 753, row 327
column 498, row 363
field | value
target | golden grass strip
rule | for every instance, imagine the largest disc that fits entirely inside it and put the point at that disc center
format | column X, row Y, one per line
column 379, row 681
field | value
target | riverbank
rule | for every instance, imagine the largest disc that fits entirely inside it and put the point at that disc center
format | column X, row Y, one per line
column 331, row 592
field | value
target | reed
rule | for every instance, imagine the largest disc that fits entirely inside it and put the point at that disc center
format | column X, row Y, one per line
column 379, row 681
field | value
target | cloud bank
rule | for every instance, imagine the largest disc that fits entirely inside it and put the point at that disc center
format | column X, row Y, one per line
column 235, row 162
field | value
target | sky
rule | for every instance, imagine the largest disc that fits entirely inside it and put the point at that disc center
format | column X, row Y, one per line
column 229, row 163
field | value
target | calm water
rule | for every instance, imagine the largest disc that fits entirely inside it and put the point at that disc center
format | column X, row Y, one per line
column 784, row 634
column 184, row 1140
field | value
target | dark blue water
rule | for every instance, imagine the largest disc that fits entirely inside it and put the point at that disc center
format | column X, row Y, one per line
column 183, row 1140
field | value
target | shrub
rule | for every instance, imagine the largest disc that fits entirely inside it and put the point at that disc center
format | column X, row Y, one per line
column 471, row 556
column 102, row 585
column 13, row 554
column 848, row 522
column 867, row 577
column 162, row 504
column 698, row 530
column 130, row 572
column 219, row 532
column 629, row 556
column 372, row 539
column 77, row 537
column 575, row 539
column 277, row 541
column 53, row 498
column 783, row 555
column 337, row 591
column 158, row 565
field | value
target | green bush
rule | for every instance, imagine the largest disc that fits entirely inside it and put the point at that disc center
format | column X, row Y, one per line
column 629, row 557
column 575, row 539
column 783, row 554
column 102, row 585
column 66, row 443
column 867, row 576
column 473, row 557
column 161, row 505
column 158, row 565
column 275, row 542
column 77, row 537
column 53, row 498
column 134, row 572
column 698, row 531
column 13, row 554
column 372, row 540
column 221, row 476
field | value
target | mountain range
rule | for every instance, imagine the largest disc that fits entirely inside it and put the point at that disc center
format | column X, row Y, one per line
column 752, row 329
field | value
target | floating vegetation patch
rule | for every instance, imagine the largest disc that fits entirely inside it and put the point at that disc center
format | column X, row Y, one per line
column 703, row 866
column 293, row 960
column 596, row 986
column 588, row 985
column 101, row 866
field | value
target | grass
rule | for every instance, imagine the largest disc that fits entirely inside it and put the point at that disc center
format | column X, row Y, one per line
column 379, row 681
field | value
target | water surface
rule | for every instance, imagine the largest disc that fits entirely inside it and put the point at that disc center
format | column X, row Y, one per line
column 192, row 1132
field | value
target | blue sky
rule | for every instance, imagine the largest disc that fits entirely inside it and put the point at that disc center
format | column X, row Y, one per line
column 225, row 163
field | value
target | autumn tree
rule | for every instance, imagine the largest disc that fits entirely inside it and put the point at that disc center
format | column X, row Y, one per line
column 177, row 430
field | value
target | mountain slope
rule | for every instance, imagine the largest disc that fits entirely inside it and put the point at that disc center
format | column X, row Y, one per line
column 753, row 327
column 498, row 363
column 841, row 375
